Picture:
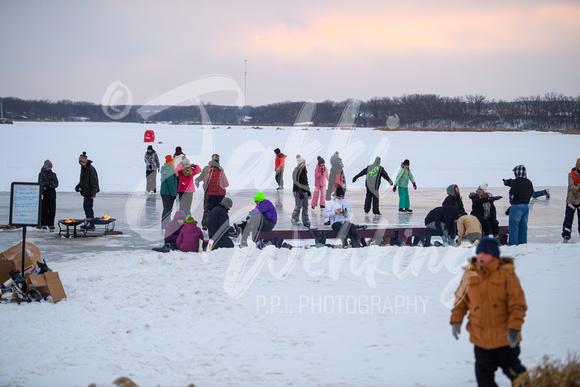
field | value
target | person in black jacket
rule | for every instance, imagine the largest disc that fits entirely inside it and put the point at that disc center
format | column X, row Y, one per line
column 454, row 199
column 483, row 208
column 301, row 191
column 218, row 225
column 374, row 172
column 442, row 220
column 88, row 187
column 521, row 192
column 48, row 184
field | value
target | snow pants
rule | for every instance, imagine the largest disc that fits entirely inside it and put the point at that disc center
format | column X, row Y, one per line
column 347, row 230
column 487, row 361
column 404, row 201
column 301, row 204
column 569, row 219
column 280, row 177
column 151, row 180
column 373, row 199
column 257, row 222
column 319, row 192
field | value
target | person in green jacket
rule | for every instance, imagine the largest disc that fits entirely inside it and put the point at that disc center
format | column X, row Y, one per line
column 168, row 189
column 402, row 181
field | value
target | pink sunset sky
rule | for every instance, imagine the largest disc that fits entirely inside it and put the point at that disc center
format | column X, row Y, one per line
column 292, row 51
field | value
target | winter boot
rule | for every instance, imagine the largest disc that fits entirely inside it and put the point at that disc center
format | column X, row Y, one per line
column 547, row 193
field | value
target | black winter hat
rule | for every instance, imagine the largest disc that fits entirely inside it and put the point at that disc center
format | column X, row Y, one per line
column 277, row 150
column 488, row 245
column 150, row 147
column 339, row 191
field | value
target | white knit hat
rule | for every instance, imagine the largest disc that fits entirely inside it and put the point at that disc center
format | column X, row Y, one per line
column 300, row 159
column 483, row 186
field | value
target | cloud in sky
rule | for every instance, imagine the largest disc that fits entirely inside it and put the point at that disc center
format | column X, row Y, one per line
column 305, row 49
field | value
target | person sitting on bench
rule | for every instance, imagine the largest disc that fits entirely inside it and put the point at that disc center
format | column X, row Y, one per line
column 338, row 210
column 262, row 218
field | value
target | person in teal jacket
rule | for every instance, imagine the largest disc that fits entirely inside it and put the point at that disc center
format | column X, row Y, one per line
column 168, row 189
column 402, row 181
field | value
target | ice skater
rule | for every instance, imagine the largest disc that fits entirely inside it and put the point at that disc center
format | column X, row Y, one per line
column 402, row 181
column 301, row 192
column 374, row 172
column 320, row 179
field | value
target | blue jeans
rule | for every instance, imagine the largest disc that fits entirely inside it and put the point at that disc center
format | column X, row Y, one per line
column 518, row 224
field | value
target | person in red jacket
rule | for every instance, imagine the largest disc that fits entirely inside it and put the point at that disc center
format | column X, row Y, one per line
column 279, row 166
column 189, row 236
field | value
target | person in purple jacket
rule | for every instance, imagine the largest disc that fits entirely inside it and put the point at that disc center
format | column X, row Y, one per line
column 172, row 230
column 262, row 218
column 190, row 236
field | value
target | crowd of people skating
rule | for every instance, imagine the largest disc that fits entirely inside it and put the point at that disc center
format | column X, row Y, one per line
column 495, row 313
column 180, row 177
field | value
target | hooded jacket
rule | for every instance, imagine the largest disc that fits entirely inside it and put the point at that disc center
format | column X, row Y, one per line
column 453, row 199
column 445, row 215
column 374, row 172
column 88, row 184
column 218, row 226
column 189, row 237
column 522, row 189
column 48, row 182
column 172, row 229
column 494, row 299
column 280, row 163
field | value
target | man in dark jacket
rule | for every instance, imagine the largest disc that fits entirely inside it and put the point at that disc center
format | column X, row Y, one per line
column 453, row 199
column 374, row 172
column 218, row 225
column 48, row 183
column 88, row 187
column 521, row 192
column 442, row 220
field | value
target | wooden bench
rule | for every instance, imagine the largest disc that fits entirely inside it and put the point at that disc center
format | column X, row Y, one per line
column 405, row 234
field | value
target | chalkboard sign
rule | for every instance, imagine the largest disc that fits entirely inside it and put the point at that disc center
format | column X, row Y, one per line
column 25, row 204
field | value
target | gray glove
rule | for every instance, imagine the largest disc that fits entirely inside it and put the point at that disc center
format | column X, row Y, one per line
column 455, row 330
column 513, row 338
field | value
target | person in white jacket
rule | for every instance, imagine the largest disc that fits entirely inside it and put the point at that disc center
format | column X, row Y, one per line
column 338, row 210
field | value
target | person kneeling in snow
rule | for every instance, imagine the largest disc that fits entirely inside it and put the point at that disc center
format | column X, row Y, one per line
column 490, row 290
column 190, row 236
column 338, row 210
column 442, row 221
column 172, row 231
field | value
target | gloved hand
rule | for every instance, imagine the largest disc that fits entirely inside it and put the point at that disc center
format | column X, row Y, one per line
column 503, row 182
column 513, row 337
column 78, row 188
column 394, row 188
column 353, row 179
column 456, row 330
column 493, row 198
column 309, row 195
column 414, row 186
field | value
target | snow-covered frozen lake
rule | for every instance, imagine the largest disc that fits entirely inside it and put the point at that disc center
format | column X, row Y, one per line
column 328, row 317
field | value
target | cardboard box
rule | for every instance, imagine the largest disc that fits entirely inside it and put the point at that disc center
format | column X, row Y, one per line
column 48, row 283
column 11, row 259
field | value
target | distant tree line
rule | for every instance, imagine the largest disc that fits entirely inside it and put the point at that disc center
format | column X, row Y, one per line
column 551, row 111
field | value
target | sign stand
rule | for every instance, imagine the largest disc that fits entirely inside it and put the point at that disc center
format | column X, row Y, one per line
column 25, row 205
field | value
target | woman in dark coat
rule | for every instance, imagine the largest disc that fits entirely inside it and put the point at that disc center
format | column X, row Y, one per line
column 48, row 184
column 483, row 209
column 454, row 199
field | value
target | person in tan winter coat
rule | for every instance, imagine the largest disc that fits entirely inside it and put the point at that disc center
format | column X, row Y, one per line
column 572, row 202
column 491, row 292
column 468, row 229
